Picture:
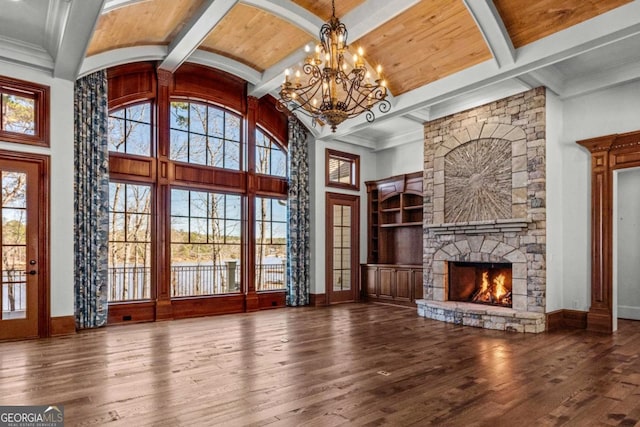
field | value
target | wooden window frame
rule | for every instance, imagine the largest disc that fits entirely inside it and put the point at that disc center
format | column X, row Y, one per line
column 40, row 95
column 140, row 82
column 354, row 159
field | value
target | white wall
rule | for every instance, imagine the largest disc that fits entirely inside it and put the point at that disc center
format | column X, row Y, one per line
column 610, row 111
column 555, row 244
column 61, row 196
column 406, row 158
column 628, row 243
column 318, row 195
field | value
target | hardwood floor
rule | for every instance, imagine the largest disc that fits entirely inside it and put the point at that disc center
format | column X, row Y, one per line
column 325, row 367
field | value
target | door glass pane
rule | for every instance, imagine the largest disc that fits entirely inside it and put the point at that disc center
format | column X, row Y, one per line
column 341, row 248
column 14, row 249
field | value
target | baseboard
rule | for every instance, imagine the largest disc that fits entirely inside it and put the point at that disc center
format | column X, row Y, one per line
column 628, row 312
column 317, row 300
column 566, row 319
column 63, row 325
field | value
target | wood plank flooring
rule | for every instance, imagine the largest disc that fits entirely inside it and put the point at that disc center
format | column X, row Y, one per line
column 325, row 367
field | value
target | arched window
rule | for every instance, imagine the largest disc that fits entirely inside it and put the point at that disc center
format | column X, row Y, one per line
column 195, row 228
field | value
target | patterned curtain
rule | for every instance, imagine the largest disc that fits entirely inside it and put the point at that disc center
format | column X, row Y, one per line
column 91, row 206
column 298, row 242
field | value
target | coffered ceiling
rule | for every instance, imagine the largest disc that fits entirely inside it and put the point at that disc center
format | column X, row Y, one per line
column 439, row 56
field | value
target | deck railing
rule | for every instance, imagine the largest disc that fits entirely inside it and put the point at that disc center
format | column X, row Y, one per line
column 134, row 283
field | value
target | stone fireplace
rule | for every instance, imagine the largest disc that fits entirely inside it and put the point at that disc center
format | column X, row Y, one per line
column 484, row 205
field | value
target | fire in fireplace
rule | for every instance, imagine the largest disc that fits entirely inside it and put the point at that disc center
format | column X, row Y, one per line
column 480, row 282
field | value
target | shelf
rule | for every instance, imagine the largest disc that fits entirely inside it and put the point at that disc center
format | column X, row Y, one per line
column 413, row 208
column 390, row 210
column 412, row 224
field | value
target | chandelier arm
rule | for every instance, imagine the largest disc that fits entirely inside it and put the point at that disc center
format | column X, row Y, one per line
column 328, row 93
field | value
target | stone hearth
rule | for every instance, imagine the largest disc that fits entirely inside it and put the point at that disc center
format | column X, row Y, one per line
column 484, row 201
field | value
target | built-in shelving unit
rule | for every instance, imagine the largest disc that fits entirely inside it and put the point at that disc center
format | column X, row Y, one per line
column 393, row 272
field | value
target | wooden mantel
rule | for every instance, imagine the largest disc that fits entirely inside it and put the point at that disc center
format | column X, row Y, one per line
column 608, row 153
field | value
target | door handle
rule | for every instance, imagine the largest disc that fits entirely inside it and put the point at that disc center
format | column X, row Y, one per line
column 32, row 272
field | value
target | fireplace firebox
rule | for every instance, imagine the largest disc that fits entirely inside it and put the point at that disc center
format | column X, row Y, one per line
column 480, row 282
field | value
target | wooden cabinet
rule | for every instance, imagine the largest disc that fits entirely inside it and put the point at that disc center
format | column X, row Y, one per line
column 397, row 284
column 393, row 272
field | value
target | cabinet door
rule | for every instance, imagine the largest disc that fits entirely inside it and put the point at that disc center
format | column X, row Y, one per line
column 417, row 282
column 371, row 278
column 387, row 282
column 403, row 284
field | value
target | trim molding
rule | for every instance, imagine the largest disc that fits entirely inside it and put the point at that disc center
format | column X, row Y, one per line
column 566, row 319
column 63, row 325
column 318, row 300
column 608, row 153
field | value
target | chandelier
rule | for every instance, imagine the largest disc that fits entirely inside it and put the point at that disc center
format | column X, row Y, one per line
column 331, row 91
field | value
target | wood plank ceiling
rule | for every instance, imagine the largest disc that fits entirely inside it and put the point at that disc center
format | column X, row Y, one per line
column 255, row 37
column 426, row 42
column 529, row 21
column 154, row 22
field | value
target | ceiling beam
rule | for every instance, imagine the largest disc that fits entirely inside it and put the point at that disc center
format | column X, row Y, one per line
column 124, row 55
column 290, row 12
column 607, row 28
column 111, row 5
column 549, row 77
column 76, row 34
column 26, row 54
column 371, row 14
column 227, row 64
column 192, row 35
column 492, row 28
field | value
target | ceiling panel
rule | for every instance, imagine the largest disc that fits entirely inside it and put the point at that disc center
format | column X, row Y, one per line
column 154, row 22
column 322, row 8
column 431, row 40
column 255, row 37
column 24, row 20
column 527, row 21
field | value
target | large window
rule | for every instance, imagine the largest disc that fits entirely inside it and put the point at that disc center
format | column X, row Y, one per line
column 205, row 135
column 187, row 211
column 205, row 243
column 271, row 243
column 270, row 159
column 130, row 130
column 129, row 242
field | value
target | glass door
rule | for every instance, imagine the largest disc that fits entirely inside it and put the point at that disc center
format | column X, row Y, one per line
column 19, row 290
column 342, row 247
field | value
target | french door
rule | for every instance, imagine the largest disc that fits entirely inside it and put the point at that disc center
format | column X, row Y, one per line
column 24, row 312
column 343, row 254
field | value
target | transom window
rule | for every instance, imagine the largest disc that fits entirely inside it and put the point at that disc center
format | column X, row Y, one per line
column 342, row 170
column 205, row 135
column 130, row 130
column 271, row 243
column 23, row 111
column 270, row 159
column 205, row 243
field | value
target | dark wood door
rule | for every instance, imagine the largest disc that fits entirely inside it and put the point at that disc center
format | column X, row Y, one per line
column 19, row 237
column 343, row 217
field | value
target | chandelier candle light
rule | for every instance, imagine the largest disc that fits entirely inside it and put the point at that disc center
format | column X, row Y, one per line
column 328, row 91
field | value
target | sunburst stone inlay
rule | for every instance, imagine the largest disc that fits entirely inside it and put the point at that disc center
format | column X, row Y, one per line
column 477, row 178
